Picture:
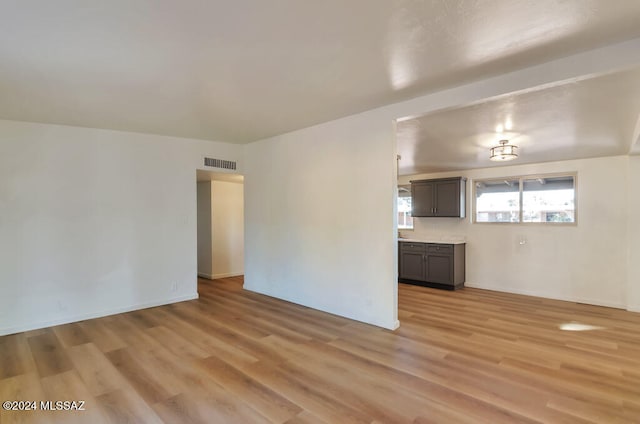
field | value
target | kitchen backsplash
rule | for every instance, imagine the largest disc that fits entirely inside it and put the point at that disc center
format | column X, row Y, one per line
column 444, row 229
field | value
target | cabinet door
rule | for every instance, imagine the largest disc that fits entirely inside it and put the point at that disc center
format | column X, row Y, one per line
column 422, row 199
column 447, row 195
column 440, row 269
column 412, row 265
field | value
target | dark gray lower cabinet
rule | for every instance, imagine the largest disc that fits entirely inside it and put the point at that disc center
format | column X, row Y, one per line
column 412, row 259
column 432, row 264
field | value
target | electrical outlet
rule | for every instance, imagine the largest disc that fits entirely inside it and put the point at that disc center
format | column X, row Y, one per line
column 174, row 287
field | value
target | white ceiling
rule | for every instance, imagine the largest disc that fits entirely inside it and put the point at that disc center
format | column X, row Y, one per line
column 241, row 70
column 580, row 119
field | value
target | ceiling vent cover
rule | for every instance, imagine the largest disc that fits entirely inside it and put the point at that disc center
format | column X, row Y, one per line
column 220, row 163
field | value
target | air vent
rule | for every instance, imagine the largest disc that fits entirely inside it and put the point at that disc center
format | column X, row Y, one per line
column 220, row 163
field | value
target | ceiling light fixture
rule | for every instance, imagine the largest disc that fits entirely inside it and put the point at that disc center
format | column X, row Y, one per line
column 503, row 152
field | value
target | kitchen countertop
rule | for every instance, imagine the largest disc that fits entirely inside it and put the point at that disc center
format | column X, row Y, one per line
column 433, row 240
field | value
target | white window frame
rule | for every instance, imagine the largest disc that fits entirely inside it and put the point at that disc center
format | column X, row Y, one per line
column 412, row 220
column 521, row 179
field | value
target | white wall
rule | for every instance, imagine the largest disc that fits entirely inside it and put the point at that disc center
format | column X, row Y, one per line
column 633, row 280
column 319, row 218
column 585, row 263
column 228, row 228
column 300, row 249
column 93, row 222
column 205, row 230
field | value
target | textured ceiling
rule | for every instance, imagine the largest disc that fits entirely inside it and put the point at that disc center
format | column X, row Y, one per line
column 582, row 119
column 241, row 70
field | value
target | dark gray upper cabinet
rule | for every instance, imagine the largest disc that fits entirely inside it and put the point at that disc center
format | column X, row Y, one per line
column 443, row 197
column 422, row 199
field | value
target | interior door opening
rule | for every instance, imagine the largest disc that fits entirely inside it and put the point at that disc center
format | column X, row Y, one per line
column 220, row 198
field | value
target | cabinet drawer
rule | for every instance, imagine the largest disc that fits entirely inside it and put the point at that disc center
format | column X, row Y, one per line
column 440, row 248
column 413, row 247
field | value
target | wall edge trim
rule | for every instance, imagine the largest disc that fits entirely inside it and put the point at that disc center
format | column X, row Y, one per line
column 534, row 293
column 83, row 317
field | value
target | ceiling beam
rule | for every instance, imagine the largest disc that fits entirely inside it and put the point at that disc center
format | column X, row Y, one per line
column 634, row 147
column 611, row 58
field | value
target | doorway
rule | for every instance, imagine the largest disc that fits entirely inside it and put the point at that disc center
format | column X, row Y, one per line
column 220, row 198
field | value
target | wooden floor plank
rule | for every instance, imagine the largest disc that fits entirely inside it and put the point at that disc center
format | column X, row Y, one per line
column 97, row 373
column 49, row 355
column 141, row 377
column 125, row 406
column 22, row 387
column 101, row 336
column 469, row 356
column 180, row 346
column 181, row 409
column 269, row 403
column 305, row 417
column 306, row 393
column 203, row 340
column 68, row 386
column 71, row 334
column 15, row 356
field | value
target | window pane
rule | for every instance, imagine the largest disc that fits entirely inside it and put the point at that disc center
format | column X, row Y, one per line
column 498, row 200
column 548, row 200
column 405, row 220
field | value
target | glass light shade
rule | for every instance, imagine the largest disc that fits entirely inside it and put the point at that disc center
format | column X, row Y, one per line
column 503, row 152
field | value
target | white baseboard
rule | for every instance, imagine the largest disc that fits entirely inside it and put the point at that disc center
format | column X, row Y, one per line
column 633, row 308
column 389, row 325
column 228, row 274
column 548, row 296
column 83, row 317
column 215, row 276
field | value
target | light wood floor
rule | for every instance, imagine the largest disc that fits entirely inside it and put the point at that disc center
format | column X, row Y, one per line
column 469, row 356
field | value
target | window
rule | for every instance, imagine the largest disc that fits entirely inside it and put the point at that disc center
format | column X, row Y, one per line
column 549, row 199
column 405, row 220
column 498, row 200
column 542, row 199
